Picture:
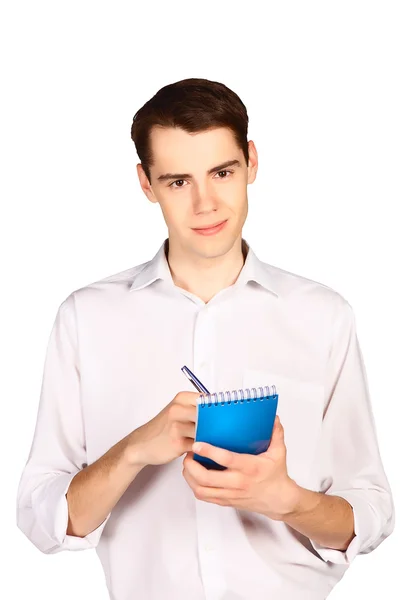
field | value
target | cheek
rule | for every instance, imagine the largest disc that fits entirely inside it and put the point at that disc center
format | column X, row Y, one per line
column 240, row 208
column 236, row 197
column 166, row 210
column 174, row 213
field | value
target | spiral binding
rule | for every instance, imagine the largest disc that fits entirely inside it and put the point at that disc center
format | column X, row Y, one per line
column 246, row 395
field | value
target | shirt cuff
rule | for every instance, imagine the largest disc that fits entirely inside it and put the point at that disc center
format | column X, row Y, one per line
column 50, row 506
column 362, row 526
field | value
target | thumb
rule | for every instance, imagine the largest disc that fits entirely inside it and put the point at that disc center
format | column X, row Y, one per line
column 278, row 436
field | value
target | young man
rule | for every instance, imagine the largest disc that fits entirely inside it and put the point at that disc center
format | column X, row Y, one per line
column 111, row 465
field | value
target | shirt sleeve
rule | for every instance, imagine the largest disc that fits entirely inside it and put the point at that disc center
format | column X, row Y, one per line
column 58, row 450
column 350, row 465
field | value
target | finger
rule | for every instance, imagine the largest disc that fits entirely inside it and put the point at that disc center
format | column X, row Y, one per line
column 228, row 479
column 179, row 429
column 182, row 413
column 211, row 494
column 278, row 436
column 187, row 398
column 244, row 463
column 183, row 444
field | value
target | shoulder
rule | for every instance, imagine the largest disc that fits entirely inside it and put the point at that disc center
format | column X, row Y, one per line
column 306, row 295
column 107, row 291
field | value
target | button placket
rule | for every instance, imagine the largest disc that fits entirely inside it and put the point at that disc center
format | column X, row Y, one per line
column 204, row 347
column 207, row 514
column 210, row 549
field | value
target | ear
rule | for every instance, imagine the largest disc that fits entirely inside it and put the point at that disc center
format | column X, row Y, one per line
column 253, row 162
column 145, row 183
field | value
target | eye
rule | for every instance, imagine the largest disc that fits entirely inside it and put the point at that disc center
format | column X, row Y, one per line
column 177, row 181
column 172, row 185
column 224, row 171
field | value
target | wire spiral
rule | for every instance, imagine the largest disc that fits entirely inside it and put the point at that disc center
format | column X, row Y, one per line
column 245, row 395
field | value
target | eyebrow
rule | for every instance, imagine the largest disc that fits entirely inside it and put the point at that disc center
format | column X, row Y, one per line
column 228, row 163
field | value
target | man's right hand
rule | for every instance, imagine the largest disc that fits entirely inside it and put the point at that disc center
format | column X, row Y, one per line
column 168, row 435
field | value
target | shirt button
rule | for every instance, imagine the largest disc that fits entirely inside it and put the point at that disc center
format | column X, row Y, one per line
column 208, row 548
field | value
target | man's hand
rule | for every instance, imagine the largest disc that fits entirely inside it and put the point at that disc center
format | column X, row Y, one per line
column 258, row 483
column 168, row 435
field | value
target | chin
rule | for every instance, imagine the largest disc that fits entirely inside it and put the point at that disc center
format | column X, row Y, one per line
column 213, row 248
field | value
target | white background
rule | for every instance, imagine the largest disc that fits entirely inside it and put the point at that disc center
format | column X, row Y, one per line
column 321, row 84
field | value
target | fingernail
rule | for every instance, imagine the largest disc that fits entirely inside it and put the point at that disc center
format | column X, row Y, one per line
column 196, row 447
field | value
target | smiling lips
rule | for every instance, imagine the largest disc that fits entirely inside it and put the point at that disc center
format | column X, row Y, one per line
column 211, row 230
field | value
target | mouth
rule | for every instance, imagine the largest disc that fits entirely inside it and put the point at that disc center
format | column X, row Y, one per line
column 211, row 229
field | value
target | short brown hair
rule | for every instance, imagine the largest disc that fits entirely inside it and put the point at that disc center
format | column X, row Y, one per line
column 193, row 105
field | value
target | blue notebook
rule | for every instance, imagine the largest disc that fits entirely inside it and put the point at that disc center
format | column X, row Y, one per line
column 240, row 421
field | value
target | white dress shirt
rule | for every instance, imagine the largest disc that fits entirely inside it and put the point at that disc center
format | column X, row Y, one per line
column 114, row 361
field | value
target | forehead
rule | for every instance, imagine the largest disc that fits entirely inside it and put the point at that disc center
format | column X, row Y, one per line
column 176, row 149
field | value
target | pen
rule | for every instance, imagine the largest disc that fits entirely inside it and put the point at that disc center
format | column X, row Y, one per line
column 197, row 384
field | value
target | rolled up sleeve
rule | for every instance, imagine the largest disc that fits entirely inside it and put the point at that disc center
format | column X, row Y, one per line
column 349, row 461
column 58, row 450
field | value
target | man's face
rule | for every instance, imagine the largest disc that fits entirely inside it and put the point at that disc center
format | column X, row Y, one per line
column 192, row 194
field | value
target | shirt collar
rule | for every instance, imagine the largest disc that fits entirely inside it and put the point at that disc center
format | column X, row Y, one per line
column 253, row 270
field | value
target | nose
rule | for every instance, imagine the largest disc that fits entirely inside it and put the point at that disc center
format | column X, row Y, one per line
column 204, row 199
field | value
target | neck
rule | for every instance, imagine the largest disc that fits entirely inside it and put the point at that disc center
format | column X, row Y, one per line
column 205, row 277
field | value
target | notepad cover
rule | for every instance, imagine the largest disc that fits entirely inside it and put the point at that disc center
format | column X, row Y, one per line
column 244, row 426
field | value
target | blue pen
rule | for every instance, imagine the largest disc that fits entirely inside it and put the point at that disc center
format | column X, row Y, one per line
column 197, row 384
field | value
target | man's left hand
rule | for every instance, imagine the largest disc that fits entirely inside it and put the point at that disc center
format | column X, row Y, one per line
column 258, row 483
